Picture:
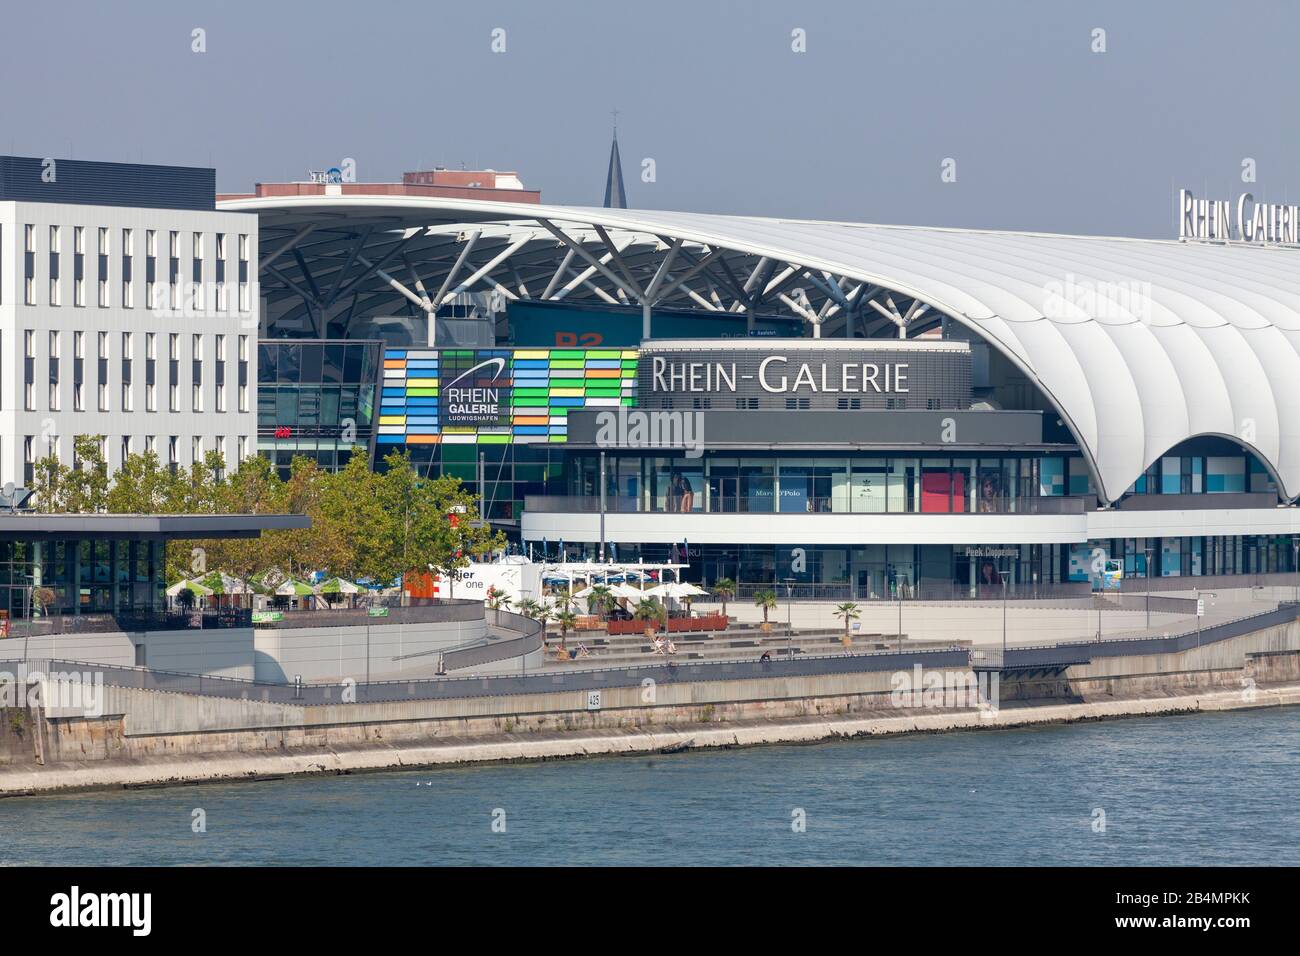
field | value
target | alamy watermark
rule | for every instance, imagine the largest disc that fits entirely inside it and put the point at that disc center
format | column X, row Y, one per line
column 78, row 691
column 953, row 689
column 636, row 428
column 1115, row 300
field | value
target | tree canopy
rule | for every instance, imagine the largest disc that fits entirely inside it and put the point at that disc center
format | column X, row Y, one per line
column 374, row 525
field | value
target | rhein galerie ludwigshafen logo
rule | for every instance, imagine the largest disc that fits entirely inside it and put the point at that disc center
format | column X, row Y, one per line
column 476, row 399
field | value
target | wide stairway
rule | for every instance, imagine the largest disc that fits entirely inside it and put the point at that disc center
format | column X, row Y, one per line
column 733, row 644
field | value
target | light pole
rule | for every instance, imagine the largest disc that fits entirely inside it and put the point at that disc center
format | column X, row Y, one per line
column 900, row 619
column 789, row 625
column 1295, row 564
column 1199, row 593
column 1004, row 575
column 1148, row 551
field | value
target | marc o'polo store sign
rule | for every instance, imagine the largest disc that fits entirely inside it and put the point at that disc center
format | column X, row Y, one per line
column 928, row 376
column 479, row 395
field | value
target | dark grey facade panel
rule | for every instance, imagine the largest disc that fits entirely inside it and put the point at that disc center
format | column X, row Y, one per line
column 90, row 183
column 30, row 526
column 893, row 428
column 804, row 377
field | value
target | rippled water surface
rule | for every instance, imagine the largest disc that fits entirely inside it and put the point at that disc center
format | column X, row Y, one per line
column 1199, row 789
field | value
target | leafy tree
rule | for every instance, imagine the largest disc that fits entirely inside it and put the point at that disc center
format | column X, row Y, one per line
column 47, row 483
column 140, row 486
column 85, row 484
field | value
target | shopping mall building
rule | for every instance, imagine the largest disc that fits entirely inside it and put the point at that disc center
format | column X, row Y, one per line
column 859, row 410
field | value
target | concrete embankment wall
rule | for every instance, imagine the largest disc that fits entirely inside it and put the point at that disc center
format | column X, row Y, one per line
column 157, row 729
column 277, row 655
column 222, row 652
column 981, row 622
column 335, row 653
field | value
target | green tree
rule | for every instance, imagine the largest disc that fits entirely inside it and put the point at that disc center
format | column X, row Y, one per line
column 848, row 611
column 724, row 589
column 496, row 600
column 601, row 600
column 47, row 483
column 766, row 600
column 650, row 611
column 566, row 619
column 141, row 486
column 530, row 609
column 85, row 484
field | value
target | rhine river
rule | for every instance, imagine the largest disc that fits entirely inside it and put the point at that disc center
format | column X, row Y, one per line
column 1200, row 789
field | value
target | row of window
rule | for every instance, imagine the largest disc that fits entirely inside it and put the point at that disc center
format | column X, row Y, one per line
column 199, row 290
column 35, row 449
column 197, row 379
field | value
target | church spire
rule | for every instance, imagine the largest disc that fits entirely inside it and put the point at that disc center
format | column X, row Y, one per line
column 615, row 196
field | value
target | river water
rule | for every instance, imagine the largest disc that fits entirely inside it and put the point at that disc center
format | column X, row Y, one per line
column 1196, row 789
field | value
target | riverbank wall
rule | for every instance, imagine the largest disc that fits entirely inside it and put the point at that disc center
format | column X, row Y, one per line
column 138, row 737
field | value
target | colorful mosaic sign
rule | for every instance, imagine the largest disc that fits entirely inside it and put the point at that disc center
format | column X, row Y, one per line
column 497, row 395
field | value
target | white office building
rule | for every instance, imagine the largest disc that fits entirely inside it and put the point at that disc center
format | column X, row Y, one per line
column 128, row 311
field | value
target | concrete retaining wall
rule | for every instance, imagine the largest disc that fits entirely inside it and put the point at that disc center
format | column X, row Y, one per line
column 153, row 726
column 1039, row 623
column 335, row 653
column 224, row 652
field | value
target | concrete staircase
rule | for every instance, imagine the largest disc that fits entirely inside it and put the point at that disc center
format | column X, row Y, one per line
column 740, row 644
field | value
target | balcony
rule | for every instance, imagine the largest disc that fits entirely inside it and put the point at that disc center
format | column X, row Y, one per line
column 1001, row 521
column 588, row 504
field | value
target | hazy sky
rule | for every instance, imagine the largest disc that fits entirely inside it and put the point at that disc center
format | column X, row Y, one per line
column 1047, row 135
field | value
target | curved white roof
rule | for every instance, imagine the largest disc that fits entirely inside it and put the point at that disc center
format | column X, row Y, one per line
column 1139, row 344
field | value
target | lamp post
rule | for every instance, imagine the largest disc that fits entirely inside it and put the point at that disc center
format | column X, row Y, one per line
column 1199, row 593
column 1004, row 575
column 789, row 624
column 1148, row 550
column 1295, row 564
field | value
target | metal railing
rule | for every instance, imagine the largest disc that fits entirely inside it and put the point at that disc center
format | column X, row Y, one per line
column 1078, row 652
column 130, row 621
column 446, row 610
column 449, row 688
column 452, row 688
column 532, row 636
column 590, row 504
column 923, row 591
column 1231, row 499
column 1278, row 579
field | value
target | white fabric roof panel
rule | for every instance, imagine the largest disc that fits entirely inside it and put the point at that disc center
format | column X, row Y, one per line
column 1181, row 340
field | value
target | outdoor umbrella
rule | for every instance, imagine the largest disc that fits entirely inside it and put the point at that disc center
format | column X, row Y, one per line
column 184, row 585
column 338, row 586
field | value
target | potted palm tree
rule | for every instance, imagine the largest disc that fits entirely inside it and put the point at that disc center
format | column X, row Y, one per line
column 649, row 611
column 565, row 619
column 530, row 609
column 767, row 601
column 848, row 611
column 496, row 601
column 600, row 599
column 724, row 589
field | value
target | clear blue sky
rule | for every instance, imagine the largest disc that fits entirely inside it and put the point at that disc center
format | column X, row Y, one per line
column 1047, row 135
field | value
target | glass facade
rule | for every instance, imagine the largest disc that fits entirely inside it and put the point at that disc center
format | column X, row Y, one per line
column 81, row 576
column 315, row 399
column 857, row 484
column 916, row 571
